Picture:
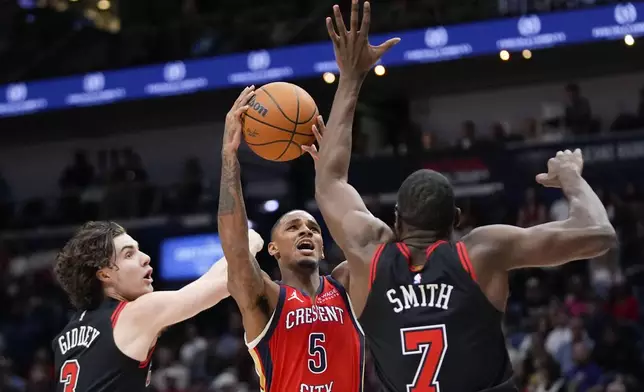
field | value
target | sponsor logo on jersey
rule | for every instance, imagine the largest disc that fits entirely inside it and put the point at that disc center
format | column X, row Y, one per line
column 329, row 295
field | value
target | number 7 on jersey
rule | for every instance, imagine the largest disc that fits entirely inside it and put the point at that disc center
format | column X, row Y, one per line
column 430, row 342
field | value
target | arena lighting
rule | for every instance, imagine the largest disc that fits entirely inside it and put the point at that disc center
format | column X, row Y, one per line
column 73, row 1
column 526, row 54
column 379, row 70
column 629, row 40
column 328, row 77
column 271, row 206
column 505, row 55
column 103, row 5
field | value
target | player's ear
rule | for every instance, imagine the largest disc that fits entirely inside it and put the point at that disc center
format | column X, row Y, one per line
column 273, row 250
column 103, row 275
column 457, row 217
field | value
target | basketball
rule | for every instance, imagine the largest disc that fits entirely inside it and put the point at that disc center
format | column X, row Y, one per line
column 279, row 121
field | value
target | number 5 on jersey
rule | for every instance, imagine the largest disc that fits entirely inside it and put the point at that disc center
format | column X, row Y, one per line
column 317, row 362
column 69, row 375
column 430, row 342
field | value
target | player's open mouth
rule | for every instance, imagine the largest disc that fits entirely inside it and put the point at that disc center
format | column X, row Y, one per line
column 148, row 277
column 306, row 247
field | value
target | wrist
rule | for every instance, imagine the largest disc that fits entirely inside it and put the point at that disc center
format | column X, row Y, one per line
column 350, row 83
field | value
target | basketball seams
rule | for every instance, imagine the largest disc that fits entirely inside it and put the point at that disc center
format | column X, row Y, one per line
column 295, row 123
column 278, row 106
column 278, row 128
column 273, row 142
column 270, row 96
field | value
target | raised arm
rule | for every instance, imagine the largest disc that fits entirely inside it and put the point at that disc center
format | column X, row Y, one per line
column 585, row 234
column 141, row 320
column 255, row 294
column 352, row 226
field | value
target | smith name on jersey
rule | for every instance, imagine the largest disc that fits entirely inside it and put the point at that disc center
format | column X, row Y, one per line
column 431, row 328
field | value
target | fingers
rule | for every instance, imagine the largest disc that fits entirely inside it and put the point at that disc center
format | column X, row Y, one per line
column 385, row 46
column 339, row 23
column 311, row 150
column 241, row 110
column 366, row 19
column 320, row 124
column 331, row 30
column 245, row 96
column 355, row 15
column 316, row 133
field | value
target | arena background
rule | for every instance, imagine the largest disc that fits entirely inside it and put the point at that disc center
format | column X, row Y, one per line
column 452, row 101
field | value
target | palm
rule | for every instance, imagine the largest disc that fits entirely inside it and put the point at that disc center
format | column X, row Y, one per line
column 353, row 52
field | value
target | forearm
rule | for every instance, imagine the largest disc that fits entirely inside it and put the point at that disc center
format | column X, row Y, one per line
column 335, row 151
column 585, row 207
column 231, row 217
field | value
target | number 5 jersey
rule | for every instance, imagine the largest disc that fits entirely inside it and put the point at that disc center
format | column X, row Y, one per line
column 310, row 344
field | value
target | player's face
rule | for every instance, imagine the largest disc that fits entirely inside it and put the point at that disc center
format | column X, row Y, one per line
column 297, row 240
column 131, row 276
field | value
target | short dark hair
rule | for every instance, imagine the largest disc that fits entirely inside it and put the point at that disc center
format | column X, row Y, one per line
column 90, row 249
column 426, row 202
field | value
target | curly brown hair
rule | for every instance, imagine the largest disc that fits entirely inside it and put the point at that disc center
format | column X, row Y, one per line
column 90, row 249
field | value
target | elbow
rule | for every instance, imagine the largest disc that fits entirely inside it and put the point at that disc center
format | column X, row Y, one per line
column 601, row 239
column 607, row 238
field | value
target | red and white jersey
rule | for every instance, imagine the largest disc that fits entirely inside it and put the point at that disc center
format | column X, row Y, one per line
column 311, row 344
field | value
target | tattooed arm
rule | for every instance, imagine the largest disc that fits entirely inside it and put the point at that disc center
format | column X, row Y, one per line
column 255, row 294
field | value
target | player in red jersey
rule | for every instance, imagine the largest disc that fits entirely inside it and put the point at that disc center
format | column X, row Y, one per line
column 301, row 332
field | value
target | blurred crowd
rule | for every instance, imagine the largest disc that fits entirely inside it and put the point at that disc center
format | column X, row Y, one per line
column 45, row 38
column 575, row 328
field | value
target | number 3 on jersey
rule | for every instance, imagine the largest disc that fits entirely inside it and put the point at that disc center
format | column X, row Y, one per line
column 317, row 364
column 431, row 343
column 69, row 375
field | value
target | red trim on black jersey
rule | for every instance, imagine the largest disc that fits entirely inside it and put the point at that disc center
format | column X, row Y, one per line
column 147, row 360
column 374, row 264
column 465, row 260
column 117, row 313
column 432, row 247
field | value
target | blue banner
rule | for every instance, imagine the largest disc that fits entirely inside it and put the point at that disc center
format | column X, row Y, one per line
column 258, row 67
column 187, row 258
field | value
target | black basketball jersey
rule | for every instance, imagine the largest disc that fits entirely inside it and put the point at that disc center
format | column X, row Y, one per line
column 431, row 328
column 87, row 359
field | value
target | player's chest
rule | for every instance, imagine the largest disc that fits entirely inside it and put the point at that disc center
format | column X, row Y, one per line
column 324, row 312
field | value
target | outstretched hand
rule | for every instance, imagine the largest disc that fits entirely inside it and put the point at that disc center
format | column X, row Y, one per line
column 354, row 54
column 564, row 163
column 233, row 127
column 318, row 129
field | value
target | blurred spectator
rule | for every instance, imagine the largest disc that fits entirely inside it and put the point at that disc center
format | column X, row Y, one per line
column 191, row 186
column 566, row 355
column 614, row 353
column 560, row 334
column 622, row 304
column 576, row 300
column 469, row 138
column 170, row 375
column 550, row 379
column 585, row 375
column 532, row 212
column 78, row 175
column 578, row 116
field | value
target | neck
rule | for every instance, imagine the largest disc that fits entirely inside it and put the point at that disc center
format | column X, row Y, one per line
column 303, row 279
column 110, row 293
column 421, row 239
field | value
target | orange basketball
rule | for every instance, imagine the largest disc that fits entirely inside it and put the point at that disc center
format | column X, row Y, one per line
column 279, row 121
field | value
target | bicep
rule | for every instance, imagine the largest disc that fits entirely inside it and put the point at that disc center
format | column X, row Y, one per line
column 548, row 244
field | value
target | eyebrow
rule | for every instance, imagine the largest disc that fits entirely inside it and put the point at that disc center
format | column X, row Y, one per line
column 128, row 247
